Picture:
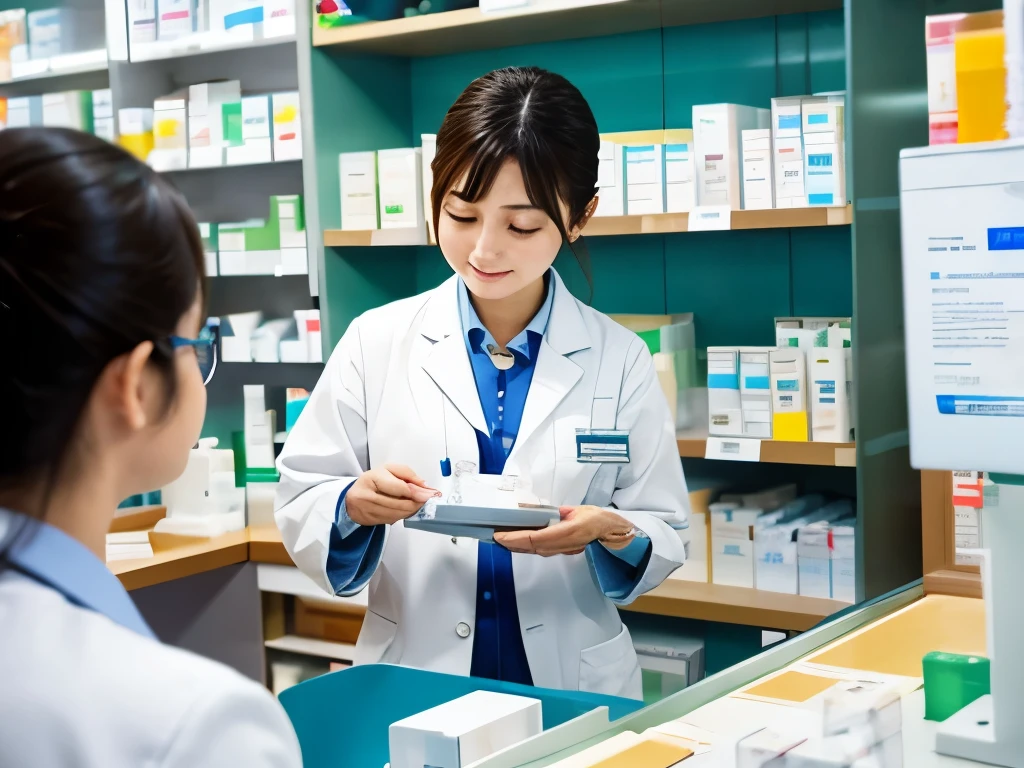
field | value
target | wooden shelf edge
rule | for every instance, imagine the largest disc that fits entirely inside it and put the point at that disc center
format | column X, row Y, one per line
column 312, row 646
column 614, row 226
column 780, row 452
column 469, row 29
column 735, row 605
column 956, row 583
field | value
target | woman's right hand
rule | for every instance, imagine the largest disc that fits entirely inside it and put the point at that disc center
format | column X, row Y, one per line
column 386, row 495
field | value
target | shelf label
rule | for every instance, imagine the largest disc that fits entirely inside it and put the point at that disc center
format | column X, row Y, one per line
column 710, row 218
column 733, row 449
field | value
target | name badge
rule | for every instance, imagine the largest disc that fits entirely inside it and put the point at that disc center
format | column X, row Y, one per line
column 602, row 446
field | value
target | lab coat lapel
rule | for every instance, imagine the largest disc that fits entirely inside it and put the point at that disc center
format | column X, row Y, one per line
column 447, row 362
column 555, row 374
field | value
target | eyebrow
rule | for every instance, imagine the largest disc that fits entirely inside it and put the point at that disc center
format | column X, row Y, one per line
column 518, row 207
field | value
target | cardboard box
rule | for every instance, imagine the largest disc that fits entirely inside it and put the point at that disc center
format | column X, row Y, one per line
column 287, row 126
column 755, row 392
column 788, row 152
column 103, row 115
column 788, row 372
column 135, row 131
column 175, row 19
column 257, row 145
column 326, row 621
column 680, row 185
column 141, row 21
column 724, row 412
column 357, row 173
column 824, row 148
column 830, row 408
column 12, row 35
column 645, row 179
column 611, row 179
column 464, row 731
column 70, row 109
column 758, row 177
column 398, row 186
column 206, row 143
column 718, row 130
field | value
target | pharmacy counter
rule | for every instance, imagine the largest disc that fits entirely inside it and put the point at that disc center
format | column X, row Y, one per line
column 782, row 688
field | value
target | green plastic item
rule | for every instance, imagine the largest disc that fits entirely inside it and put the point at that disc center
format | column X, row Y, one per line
column 262, row 475
column 951, row 682
column 238, row 446
column 652, row 339
column 231, row 118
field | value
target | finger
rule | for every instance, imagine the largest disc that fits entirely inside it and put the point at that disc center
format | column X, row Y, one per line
column 566, row 512
column 388, row 485
column 515, row 541
column 379, row 501
column 617, row 543
column 421, row 492
column 406, row 474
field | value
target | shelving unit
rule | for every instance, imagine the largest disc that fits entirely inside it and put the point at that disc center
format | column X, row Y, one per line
column 311, row 646
column 780, row 452
column 198, row 45
column 60, row 66
column 469, row 29
column 610, row 226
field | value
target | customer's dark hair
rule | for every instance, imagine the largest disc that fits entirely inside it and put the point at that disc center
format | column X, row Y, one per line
column 97, row 255
column 532, row 116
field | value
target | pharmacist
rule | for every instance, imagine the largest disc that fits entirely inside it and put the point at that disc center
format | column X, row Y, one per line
column 502, row 368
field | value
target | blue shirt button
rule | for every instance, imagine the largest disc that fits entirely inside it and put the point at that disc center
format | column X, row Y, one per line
column 487, row 595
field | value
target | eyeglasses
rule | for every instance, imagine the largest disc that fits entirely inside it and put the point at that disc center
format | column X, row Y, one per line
column 206, row 351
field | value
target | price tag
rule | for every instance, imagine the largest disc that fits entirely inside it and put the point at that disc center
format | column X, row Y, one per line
column 733, row 449
column 709, row 218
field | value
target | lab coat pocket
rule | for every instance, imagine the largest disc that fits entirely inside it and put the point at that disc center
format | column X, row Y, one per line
column 611, row 668
column 375, row 640
column 565, row 436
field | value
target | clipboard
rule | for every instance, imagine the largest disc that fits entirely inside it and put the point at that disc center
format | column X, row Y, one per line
column 461, row 520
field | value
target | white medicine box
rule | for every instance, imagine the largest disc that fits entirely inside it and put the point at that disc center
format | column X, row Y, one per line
column 464, row 731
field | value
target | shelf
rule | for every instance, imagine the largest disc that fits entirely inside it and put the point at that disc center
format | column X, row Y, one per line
column 356, row 238
column 187, row 560
column 544, row 21
column 780, row 452
column 196, row 45
column 668, row 223
column 60, row 66
column 950, row 582
column 200, row 169
column 309, row 646
column 608, row 226
column 735, row 605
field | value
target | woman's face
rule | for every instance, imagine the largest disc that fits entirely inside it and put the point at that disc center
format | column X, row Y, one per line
column 501, row 243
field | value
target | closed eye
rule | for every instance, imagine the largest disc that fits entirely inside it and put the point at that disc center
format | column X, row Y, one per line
column 460, row 219
column 524, row 232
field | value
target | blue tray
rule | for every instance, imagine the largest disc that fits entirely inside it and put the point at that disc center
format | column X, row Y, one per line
column 342, row 718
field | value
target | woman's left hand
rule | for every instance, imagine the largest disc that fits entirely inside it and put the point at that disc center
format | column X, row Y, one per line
column 579, row 527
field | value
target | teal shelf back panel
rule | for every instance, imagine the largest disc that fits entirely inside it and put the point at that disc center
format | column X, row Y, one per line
column 620, row 76
column 735, row 282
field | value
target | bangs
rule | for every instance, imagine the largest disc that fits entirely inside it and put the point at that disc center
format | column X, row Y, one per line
column 480, row 165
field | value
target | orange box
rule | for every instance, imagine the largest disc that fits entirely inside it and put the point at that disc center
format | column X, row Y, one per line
column 981, row 85
column 327, row 622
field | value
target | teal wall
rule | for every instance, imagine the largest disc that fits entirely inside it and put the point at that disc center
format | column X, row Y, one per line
column 735, row 282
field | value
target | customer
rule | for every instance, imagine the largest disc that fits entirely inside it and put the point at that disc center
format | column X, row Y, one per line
column 101, row 305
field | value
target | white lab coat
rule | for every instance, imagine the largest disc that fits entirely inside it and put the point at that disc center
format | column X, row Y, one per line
column 79, row 691
column 399, row 386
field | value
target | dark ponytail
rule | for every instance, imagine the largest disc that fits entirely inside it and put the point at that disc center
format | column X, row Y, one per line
column 97, row 255
column 535, row 117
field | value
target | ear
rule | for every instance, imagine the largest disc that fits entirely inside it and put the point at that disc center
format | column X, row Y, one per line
column 129, row 390
column 588, row 213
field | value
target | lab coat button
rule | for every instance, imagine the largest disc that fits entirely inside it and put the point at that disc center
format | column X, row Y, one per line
column 462, row 629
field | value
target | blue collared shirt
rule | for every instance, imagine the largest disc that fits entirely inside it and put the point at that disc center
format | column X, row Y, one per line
column 50, row 557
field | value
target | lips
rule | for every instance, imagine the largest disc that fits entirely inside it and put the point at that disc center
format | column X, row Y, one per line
column 489, row 277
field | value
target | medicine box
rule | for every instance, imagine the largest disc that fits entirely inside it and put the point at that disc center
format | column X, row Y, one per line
column 175, row 19
column 170, row 130
column 788, row 150
column 680, row 187
column 769, row 499
column 788, row 373
column 25, row 111
column 256, row 146
column 611, row 179
column 825, row 166
column 206, row 121
column 51, row 32
column 830, row 410
column 70, row 109
column 732, row 545
column 844, row 561
column 758, row 179
column 775, row 546
column 717, row 134
column 464, row 731
column 103, row 114
column 645, row 179
column 12, row 36
column 398, row 185
column 135, row 131
column 724, row 413
column 287, row 126
column 755, row 392
column 208, row 233
column 142, row 21
column 357, row 172
column 428, row 150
